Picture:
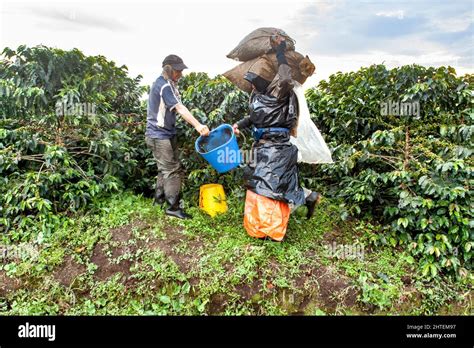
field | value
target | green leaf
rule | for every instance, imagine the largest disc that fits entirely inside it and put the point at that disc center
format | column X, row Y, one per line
column 403, row 222
column 186, row 288
column 165, row 299
column 430, row 249
column 424, row 223
column 467, row 247
column 443, row 129
column 434, row 270
column 425, row 270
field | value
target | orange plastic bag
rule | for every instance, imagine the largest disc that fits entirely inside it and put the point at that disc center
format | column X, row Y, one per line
column 265, row 217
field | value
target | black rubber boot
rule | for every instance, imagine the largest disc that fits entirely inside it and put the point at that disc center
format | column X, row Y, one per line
column 159, row 196
column 311, row 202
column 175, row 210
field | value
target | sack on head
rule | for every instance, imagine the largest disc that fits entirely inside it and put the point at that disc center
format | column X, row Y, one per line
column 257, row 43
column 267, row 67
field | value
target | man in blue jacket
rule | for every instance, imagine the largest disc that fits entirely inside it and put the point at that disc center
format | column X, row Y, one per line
column 164, row 103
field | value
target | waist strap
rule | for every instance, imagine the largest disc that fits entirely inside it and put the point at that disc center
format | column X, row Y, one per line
column 259, row 132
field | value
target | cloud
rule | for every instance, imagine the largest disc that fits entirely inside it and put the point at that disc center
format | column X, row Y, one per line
column 70, row 18
column 398, row 14
column 385, row 27
column 389, row 28
column 339, row 35
column 451, row 38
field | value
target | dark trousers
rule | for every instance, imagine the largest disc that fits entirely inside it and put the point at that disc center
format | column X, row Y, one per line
column 165, row 152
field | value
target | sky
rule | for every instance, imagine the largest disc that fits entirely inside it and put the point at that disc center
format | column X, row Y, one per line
column 340, row 35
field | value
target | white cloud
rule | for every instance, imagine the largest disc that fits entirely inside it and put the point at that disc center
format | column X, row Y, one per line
column 201, row 33
column 140, row 34
column 398, row 14
column 452, row 24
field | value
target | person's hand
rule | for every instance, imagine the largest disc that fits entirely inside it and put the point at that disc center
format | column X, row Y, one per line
column 277, row 40
column 203, row 130
column 281, row 46
column 235, row 127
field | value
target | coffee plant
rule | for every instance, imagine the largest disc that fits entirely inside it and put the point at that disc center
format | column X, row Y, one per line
column 57, row 154
column 412, row 172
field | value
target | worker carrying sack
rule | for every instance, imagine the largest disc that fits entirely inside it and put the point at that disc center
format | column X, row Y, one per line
column 265, row 217
column 257, row 43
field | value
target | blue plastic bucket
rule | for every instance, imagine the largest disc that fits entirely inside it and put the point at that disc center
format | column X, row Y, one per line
column 220, row 148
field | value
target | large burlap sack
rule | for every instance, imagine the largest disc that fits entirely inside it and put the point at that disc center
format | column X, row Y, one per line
column 257, row 43
column 301, row 66
column 262, row 66
column 267, row 67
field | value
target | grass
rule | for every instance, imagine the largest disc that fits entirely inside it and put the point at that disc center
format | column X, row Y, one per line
column 127, row 258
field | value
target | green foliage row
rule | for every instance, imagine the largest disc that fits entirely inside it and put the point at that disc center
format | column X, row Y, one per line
column 412, row 173
column 54, row 161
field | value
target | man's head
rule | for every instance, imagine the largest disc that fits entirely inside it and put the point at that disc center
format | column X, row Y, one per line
column 173, row 67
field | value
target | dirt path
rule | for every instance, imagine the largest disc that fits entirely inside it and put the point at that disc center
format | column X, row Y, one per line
column 315, row 287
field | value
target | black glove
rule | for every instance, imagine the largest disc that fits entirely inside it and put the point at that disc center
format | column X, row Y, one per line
column 280, row 53
column 281, row 47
